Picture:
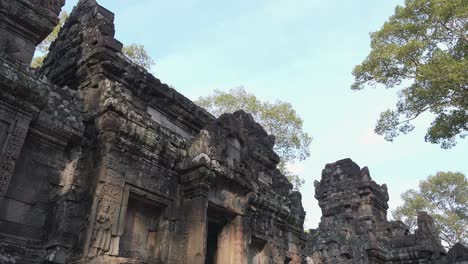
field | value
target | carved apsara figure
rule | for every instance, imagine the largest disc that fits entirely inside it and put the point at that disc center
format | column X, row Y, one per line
column 102, row 230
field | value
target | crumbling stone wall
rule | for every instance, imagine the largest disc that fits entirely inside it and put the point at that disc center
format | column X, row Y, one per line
column 24, row 24
column 103, row 163
column 40, row 125
column 100, row 162
column 354, row 226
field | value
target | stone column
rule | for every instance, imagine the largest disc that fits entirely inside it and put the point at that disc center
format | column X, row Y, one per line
column 108, row 210
column 196, row 184
column 231, row 243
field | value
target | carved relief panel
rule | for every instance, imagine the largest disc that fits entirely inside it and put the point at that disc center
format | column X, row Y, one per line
column 13, row 128
column 4, row 126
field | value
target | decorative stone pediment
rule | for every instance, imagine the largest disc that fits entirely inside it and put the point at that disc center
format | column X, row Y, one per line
column 233, row 145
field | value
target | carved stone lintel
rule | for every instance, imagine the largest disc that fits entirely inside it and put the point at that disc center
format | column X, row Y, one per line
column 197, row 182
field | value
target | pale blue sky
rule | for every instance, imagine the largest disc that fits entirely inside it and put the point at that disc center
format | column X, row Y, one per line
column 299, row 51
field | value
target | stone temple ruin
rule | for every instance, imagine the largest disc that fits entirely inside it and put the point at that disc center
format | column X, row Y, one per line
column 100, row 162
column 354, row 226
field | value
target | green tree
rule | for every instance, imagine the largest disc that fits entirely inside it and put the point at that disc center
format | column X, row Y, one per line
column 422, row 51
column 277, row 118
column 135, row 52
column 445, row 197
column 138, row 54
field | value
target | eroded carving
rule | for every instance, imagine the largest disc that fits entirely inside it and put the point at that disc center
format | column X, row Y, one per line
column 104, row 127
column 354, row 226
column 11, row 153
column 102, row 231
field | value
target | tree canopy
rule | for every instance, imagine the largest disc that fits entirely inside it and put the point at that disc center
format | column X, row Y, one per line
column 138, row 54
column 422, row 50
column 278, row 118
column 445, row 197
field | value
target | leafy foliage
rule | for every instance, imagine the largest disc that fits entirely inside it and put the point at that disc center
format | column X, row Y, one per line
column 138, row 54
column 37, row 61
column 422, row 49
column 445, row 197
column 278, row 119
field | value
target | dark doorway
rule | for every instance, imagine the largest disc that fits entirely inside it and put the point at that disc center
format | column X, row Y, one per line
column 212, row 242
column 218, row 218
column 257, row 251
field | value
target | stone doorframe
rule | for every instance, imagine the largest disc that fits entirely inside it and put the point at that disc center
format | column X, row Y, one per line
column 231, row 238
column 113, row 210
column 197, row 183
column 159, row 205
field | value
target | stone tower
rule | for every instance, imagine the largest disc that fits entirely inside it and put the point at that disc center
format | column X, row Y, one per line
column 354, row 227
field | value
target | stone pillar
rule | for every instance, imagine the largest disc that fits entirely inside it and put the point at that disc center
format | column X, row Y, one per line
column 14, row 125
column 195, row 224
column 196, row 184
column 108, row 209
column 231, row 243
